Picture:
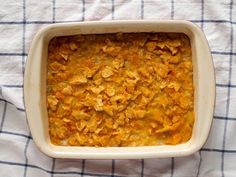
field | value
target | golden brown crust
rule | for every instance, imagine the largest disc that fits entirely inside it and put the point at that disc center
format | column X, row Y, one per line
column 132, row 89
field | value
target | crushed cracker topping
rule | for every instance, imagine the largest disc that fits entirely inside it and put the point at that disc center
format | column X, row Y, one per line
column 131, row 89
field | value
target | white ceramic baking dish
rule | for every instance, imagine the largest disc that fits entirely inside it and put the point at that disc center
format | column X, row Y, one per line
column 35, row 89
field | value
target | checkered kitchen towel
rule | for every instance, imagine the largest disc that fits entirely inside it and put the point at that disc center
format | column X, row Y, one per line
column 21, row 19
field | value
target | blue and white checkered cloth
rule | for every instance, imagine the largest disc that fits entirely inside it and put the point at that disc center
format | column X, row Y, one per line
column 21, row 19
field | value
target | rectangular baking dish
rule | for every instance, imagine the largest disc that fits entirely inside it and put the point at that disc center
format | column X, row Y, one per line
column 35, row 89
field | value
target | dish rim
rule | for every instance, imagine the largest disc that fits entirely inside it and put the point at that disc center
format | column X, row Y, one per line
column 121, row 152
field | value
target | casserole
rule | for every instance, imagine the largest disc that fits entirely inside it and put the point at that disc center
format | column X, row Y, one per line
column 35, row 89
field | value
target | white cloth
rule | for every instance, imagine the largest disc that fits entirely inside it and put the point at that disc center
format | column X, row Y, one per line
column 20, row 20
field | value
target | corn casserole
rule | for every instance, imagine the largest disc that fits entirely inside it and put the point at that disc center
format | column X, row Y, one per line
column 121, row 89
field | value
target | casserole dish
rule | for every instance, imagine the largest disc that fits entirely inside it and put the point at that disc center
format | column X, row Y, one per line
column 35, row 89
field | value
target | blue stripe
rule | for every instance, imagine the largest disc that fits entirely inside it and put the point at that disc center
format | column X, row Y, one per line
column 225, row 118
column 226, row 85
column 16, row 134
column 36, row 22
column 142, row 9
column 213, row 21
column 228, row 95
column 53, row 11
column 142, row 168
column 23, row 38
column 172, row 167
column 82, row 168
column 223, row 53
column 20, row 86
column 55, row 172
column 25, row 154
column 53, row 166
column 199, row 165
column 13, row 54
column 219, row 150
column 11, row 22
column 112, row 9
column 172, row 9
column 83, row 4
column 19, row 109
column 113, row 168
column 26, row 22
column 83, row 10
column 202, row 14
column 11, row 86
column 3, row 115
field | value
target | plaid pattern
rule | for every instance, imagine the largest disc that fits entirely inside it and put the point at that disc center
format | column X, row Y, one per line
column 20, row 20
